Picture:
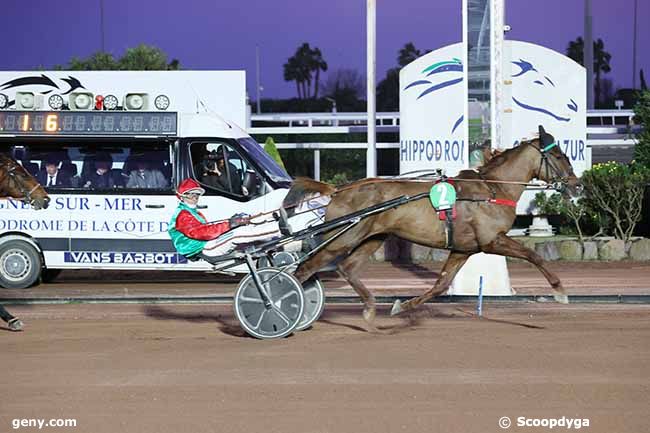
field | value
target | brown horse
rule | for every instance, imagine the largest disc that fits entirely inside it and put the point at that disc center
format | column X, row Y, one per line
column 17, row 183
column 484, row 214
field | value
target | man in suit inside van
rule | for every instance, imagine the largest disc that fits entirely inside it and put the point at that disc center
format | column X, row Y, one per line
column 52, row 176
column 143, row 177
column 101, row 177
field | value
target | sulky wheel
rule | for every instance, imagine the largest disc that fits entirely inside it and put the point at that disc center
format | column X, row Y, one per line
column 277, row 318
column 314, row 303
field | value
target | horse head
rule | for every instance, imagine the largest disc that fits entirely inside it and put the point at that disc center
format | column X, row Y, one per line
column 554, row 166
column 17, row 183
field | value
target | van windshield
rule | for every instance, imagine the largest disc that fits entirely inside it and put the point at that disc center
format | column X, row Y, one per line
column 268, row 164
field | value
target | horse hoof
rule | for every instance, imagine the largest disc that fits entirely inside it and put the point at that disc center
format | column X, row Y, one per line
column 561, row 298
column 15, row 325
column 369, row 315
column 397, row 308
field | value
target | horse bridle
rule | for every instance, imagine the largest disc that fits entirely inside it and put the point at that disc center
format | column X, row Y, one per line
column 10, row 168
column 557, row 180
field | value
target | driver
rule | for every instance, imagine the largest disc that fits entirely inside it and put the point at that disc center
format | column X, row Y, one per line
column 190, row 232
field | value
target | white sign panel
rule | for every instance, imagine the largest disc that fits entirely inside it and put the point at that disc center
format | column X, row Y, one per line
column 542, row 87
column 547, row 89
column 221, row 92
column 431, row 113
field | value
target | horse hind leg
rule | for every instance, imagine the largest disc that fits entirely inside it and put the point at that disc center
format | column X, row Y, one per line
column 453, row 264
column 349, row 269
column 505, row 246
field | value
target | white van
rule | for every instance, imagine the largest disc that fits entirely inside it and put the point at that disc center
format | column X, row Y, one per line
column 119, row 221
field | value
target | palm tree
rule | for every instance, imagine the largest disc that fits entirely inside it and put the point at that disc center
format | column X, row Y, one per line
column 291, row 73
column 407, row 54
column 303, row 57
column 575, row 50
column 317, row 64
column 304, row 68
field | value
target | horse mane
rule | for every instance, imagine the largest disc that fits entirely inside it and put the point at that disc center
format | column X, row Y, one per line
column 500, row 157
column 304, row 186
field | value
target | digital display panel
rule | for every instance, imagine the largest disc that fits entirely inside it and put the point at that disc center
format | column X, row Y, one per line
column 88, row 123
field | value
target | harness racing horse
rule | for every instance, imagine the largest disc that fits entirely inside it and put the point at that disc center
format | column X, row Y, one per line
column 485, row 211
column 17, row 183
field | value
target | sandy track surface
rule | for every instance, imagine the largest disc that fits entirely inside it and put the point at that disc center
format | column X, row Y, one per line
column 190, row 368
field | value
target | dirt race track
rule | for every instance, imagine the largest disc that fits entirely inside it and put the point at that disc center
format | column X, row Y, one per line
column 190, row 368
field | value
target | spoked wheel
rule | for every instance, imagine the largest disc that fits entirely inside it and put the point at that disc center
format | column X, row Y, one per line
column 314, row 303
column 285, row 308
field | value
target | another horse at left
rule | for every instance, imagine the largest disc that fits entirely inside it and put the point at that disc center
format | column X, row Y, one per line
column 17, row 183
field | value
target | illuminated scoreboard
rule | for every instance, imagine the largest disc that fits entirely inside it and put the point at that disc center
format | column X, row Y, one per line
column 88, row 123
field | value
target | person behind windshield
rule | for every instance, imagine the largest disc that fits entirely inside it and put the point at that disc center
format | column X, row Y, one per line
column 144, row 177
column 215, row 174
column 189, row 229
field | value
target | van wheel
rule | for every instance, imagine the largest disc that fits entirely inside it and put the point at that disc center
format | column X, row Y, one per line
column 20, row 265
column 49, row 275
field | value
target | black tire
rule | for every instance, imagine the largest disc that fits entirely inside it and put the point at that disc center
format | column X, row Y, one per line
column 49, row 275
column 20, row 265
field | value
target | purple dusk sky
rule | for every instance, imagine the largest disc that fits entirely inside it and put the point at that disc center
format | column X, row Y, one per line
column 223, row 34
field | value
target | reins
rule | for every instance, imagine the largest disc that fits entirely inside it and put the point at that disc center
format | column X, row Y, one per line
column 493, row 200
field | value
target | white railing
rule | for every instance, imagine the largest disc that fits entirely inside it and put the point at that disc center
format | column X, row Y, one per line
column 610, row 128
column 336, row 119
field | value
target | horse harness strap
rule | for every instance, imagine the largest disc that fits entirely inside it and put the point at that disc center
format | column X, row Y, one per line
column 450, row 214
column 497, row 201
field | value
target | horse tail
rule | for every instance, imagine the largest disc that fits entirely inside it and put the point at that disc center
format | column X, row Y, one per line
column 303, row 187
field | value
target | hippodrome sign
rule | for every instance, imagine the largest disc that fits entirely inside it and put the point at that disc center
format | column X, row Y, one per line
column 541, row 87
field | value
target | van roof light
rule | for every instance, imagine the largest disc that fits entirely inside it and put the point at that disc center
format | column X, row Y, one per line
column 25, row 101
column 161, row 102
column 136, row 101
column 81, row 101
column 55, row 102
column 110, row 102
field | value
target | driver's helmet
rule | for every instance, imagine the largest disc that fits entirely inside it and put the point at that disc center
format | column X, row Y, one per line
column 188, row 186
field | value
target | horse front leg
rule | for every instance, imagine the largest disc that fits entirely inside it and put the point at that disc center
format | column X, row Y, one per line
column 453, row 264
column 505, row 246
column 14, row 323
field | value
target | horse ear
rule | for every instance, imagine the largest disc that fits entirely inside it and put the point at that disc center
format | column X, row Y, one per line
column 545, row 138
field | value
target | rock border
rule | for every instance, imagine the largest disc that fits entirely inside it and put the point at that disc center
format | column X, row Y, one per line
column 552, row 249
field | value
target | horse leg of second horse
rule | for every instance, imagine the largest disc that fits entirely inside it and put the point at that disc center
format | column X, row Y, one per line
column 505, row 246
column 349, row 269
column 14, row 323
column 453, row 264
